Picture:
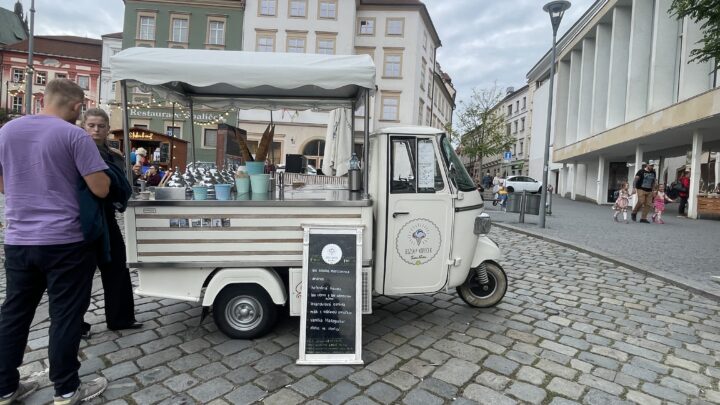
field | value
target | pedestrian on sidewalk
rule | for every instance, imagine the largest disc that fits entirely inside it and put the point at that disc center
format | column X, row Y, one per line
column 45, row 163
column 622, row 202
column 684, row 192
column 644, row 183
column 659, row 199
column 502, row 197
column 117, row 287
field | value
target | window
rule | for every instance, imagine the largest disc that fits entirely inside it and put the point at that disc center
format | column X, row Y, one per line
column 17, row 104
column 522, row 143
column 327, row 9
column 296, row 45
column 390, row 107
column 209, row 138
column 298, row 8
column 425, row 39
column 428, row 117
column 509, row 128
column 392, row 65
column 522, row 124
column 403, row 179
column 420, row 112
column 140, row 126
column 268, row 7
column 394, row 26
column 180, row 30
column 216, row 33
column 515, row 149
column 366, row 26
column 173, row 131
column 41, row 78
column 64, row 76
column 18, row 75
column 460, row 176
column 429, row 87
column 326, row 46
column 265, row 43
column 517, row 106
column 366, row 51
column 422, row 75
column 147, row 28
column 515, row 126
column 509, row 110
column 524, row 103
column 83, row 82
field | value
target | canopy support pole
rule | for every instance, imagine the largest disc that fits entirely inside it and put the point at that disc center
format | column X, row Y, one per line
column 366, row 147
column 352, row 128
column 126, row 130
column 192, row 131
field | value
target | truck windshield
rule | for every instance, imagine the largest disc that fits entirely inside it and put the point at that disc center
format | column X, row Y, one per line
column 460, row 176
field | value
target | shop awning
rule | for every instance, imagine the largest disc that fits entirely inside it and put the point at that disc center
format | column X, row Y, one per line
column 221, row 79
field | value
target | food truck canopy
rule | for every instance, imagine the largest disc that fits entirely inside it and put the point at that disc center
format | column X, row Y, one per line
column 268, row 80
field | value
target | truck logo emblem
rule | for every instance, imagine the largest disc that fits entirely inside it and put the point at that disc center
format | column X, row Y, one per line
column 418, row 241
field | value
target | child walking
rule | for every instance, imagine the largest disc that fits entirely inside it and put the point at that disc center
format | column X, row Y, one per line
column 622, row 202
column 659, row 199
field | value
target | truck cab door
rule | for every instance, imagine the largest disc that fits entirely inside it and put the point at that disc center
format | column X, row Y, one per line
column 419, row 217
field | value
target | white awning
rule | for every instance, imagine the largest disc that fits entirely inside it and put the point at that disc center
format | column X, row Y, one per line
column 247, row 79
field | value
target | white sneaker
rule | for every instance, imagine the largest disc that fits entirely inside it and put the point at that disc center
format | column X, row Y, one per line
column 85, row 392
column 23, row 390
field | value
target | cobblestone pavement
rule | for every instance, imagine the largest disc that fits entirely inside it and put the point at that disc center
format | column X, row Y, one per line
column 683, row 250
column 572, row 329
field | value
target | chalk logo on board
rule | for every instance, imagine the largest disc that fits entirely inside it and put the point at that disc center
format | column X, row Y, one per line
column 331, row 254
column 418, row 241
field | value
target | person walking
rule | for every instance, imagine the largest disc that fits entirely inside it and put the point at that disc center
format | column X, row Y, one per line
column 684, row 192
column 45, row 162
column 622, row 202
column 644, row 183
column 117, row 287
column 487, row 180
column 659, row 199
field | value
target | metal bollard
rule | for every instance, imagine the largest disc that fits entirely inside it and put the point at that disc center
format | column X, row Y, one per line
column 549, row 204
column 523, row 201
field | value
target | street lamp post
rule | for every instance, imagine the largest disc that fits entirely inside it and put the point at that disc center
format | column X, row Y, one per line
column 556, row 9
column 31, row 70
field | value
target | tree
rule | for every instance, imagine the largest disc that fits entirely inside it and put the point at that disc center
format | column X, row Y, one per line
column 707, row 14
column 480, row 125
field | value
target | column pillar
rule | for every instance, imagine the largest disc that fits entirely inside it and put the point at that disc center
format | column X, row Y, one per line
column 695, row 174
column 663, row 62
column 573, row 181
column 601, row 78
column 586, row 88
column 619, row 55
column 639, row 67
column 695, row 78
column 602, row 180
column 638, row 166
column 717, row 168
column 571, row 135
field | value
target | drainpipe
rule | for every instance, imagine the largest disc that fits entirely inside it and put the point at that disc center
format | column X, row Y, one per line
column 432, row 84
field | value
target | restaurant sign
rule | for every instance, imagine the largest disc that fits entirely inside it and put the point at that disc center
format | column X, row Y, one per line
column 168, row 115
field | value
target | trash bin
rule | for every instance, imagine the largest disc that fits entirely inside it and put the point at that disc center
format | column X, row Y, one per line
column 532, row 204
column 513, row 202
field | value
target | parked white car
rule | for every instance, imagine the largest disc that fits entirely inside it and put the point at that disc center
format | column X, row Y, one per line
column 518, row 184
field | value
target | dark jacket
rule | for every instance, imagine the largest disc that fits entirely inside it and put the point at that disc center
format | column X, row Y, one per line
column 94, row 211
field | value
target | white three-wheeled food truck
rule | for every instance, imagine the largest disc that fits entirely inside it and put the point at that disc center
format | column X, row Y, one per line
column 421, row 216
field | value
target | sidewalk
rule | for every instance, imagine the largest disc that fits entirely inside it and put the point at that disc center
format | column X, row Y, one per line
column 684, row 251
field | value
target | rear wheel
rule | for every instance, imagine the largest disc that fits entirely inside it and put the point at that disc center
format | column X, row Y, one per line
column 244, row 311
column 511, row 189
column 479, row 295
column 539, row 190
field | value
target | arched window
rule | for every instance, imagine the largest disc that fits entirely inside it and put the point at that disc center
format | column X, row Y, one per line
column 314, row 151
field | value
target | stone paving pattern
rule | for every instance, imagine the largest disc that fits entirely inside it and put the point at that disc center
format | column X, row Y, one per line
column 572, row 329
column 682, row 249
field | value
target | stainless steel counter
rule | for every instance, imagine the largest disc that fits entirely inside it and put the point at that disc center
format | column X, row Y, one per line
column 306, row 196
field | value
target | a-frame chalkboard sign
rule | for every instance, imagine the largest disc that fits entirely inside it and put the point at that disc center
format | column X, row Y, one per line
column 331, row 312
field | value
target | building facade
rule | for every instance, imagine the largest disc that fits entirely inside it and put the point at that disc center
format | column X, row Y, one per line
column 111, row 44
column 626, row 93
column 13, row 28
column 68, row 57
column 397, row 35
column 200, row 24
column 515, row 108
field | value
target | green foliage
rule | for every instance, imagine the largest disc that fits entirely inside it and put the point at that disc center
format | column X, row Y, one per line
column 707, row 14
column 4, row 117
column 480, row 127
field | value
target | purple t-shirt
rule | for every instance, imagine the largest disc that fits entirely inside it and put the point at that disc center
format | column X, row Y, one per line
column 42, row 161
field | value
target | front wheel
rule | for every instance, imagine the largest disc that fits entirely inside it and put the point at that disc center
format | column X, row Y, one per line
column 244, row 311
column 479, row 295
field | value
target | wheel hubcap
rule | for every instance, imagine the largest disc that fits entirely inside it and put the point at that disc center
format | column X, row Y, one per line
column 483, row 290
column 243, row 313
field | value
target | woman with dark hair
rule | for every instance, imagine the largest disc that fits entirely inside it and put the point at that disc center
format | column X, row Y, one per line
column 119, row 303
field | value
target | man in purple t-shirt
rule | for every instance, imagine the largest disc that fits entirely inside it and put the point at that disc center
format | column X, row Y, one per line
column 43, row 160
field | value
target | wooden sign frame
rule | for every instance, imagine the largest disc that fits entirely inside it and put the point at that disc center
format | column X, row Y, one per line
column 331, row 358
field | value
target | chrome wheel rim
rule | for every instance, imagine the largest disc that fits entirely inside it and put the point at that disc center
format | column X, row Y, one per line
column 244, row 313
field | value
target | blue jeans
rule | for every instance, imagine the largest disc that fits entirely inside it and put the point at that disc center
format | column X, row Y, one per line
column 66, row 271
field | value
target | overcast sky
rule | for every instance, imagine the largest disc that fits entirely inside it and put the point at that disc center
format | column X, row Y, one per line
column 484, row 41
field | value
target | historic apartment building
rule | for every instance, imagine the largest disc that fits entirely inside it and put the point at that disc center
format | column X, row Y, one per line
column 111, row 44
column 398, row 35
column 200, row 24
column 69, row 57
column 627, row 93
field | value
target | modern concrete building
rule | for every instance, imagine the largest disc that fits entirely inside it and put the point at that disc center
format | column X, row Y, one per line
column 398, row 35
column 626, row 92
column 69, row 57
column 198, row 24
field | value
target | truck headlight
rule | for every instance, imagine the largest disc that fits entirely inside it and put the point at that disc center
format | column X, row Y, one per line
column 483, row 223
